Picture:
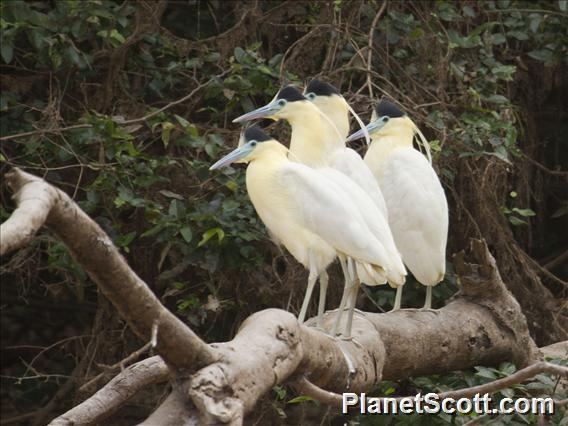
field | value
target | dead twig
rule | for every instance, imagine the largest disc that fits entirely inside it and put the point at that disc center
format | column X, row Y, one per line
column 370, row 45
column 124, row 362
column 124, row 123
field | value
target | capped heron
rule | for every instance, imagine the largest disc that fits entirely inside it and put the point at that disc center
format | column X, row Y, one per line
column 418, row 210
column 335, row 121
column 309, row 214
column 312, row 145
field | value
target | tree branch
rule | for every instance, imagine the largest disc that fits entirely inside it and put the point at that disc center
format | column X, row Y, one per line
column 370, row 46
column 116, row 392
column 91, row 247
column 305, row 387
column 505, row 382
column 34, row 199
column 222, row 382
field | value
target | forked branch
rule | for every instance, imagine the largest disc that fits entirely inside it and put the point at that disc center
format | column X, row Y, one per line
column 222, row 382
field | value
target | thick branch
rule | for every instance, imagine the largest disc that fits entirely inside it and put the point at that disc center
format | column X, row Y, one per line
column 116, row 392
column 93, row 249
column 35, row 200
column 482, row 325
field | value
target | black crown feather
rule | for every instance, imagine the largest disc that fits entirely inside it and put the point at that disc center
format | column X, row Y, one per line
column 389, row 109
column 321, row 88
column 290, row 93
column 255, row 133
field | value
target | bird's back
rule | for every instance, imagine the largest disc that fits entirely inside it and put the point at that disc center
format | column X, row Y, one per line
column 325, row 208
column 282, row 215
column 348, row 162
column 418, row 213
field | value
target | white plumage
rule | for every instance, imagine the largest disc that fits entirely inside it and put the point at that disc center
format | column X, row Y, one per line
column 308, row 211
column 316, row 143
column 418, row 213
column 415, row 199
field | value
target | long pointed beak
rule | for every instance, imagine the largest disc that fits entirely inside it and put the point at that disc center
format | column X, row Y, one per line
column 263, row 112
column 231, row 157
column 371, row 128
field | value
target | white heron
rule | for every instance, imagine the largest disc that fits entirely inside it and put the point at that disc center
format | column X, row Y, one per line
column 314, row 144
column 310, row 215
column 417, row 206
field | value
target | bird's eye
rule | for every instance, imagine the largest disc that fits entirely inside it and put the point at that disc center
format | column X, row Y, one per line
column 253, row 143
column 385, row 119
column 311, row 96
column 282, row 102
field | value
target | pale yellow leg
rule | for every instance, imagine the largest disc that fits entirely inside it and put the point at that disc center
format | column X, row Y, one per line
column 344, row 297
column 312, row 278
column 323, row 279
column 352, row 302
column 428, row 303
column 397, row 298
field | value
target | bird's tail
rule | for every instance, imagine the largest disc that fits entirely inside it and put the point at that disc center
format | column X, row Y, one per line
column 371, row 274
column 397, row 273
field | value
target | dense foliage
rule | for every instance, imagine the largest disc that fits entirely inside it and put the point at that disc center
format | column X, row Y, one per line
column 125, row 105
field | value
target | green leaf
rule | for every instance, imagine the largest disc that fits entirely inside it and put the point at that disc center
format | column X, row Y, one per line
column 186, row 233
column 509, row 393
column 176, row 209
column 154, row 230
column 497, row 99
column 239, row 54
column 299, row 399
column 516, row 221
column 546, row 380
column 182, row 121
column 519, row 35
column 170, row 194
column 562, row 211
column 232, row 185
column 211, row 150
column 524, row 212
column 468, row 11
column 486, row 373
column 210, row 233
column 117, row 36
column 193, row 62
column 507, row 368
column 543, row 55
column 280, row 392
column 498, row 38
column 179, row 286
column 7, row 51
column 166, row 130
column 536, row 19
column 212, row 57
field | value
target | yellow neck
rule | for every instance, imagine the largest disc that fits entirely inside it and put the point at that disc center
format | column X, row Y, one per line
column 398, row 133
column 270, row 151
column 310, row 143
column 335, row 108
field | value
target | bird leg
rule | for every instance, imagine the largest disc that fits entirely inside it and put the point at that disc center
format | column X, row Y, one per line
column 428, row 303
column 353, row 301
column 312, row 278
column 344, row 297
column 397, row 298
column 323, row 279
